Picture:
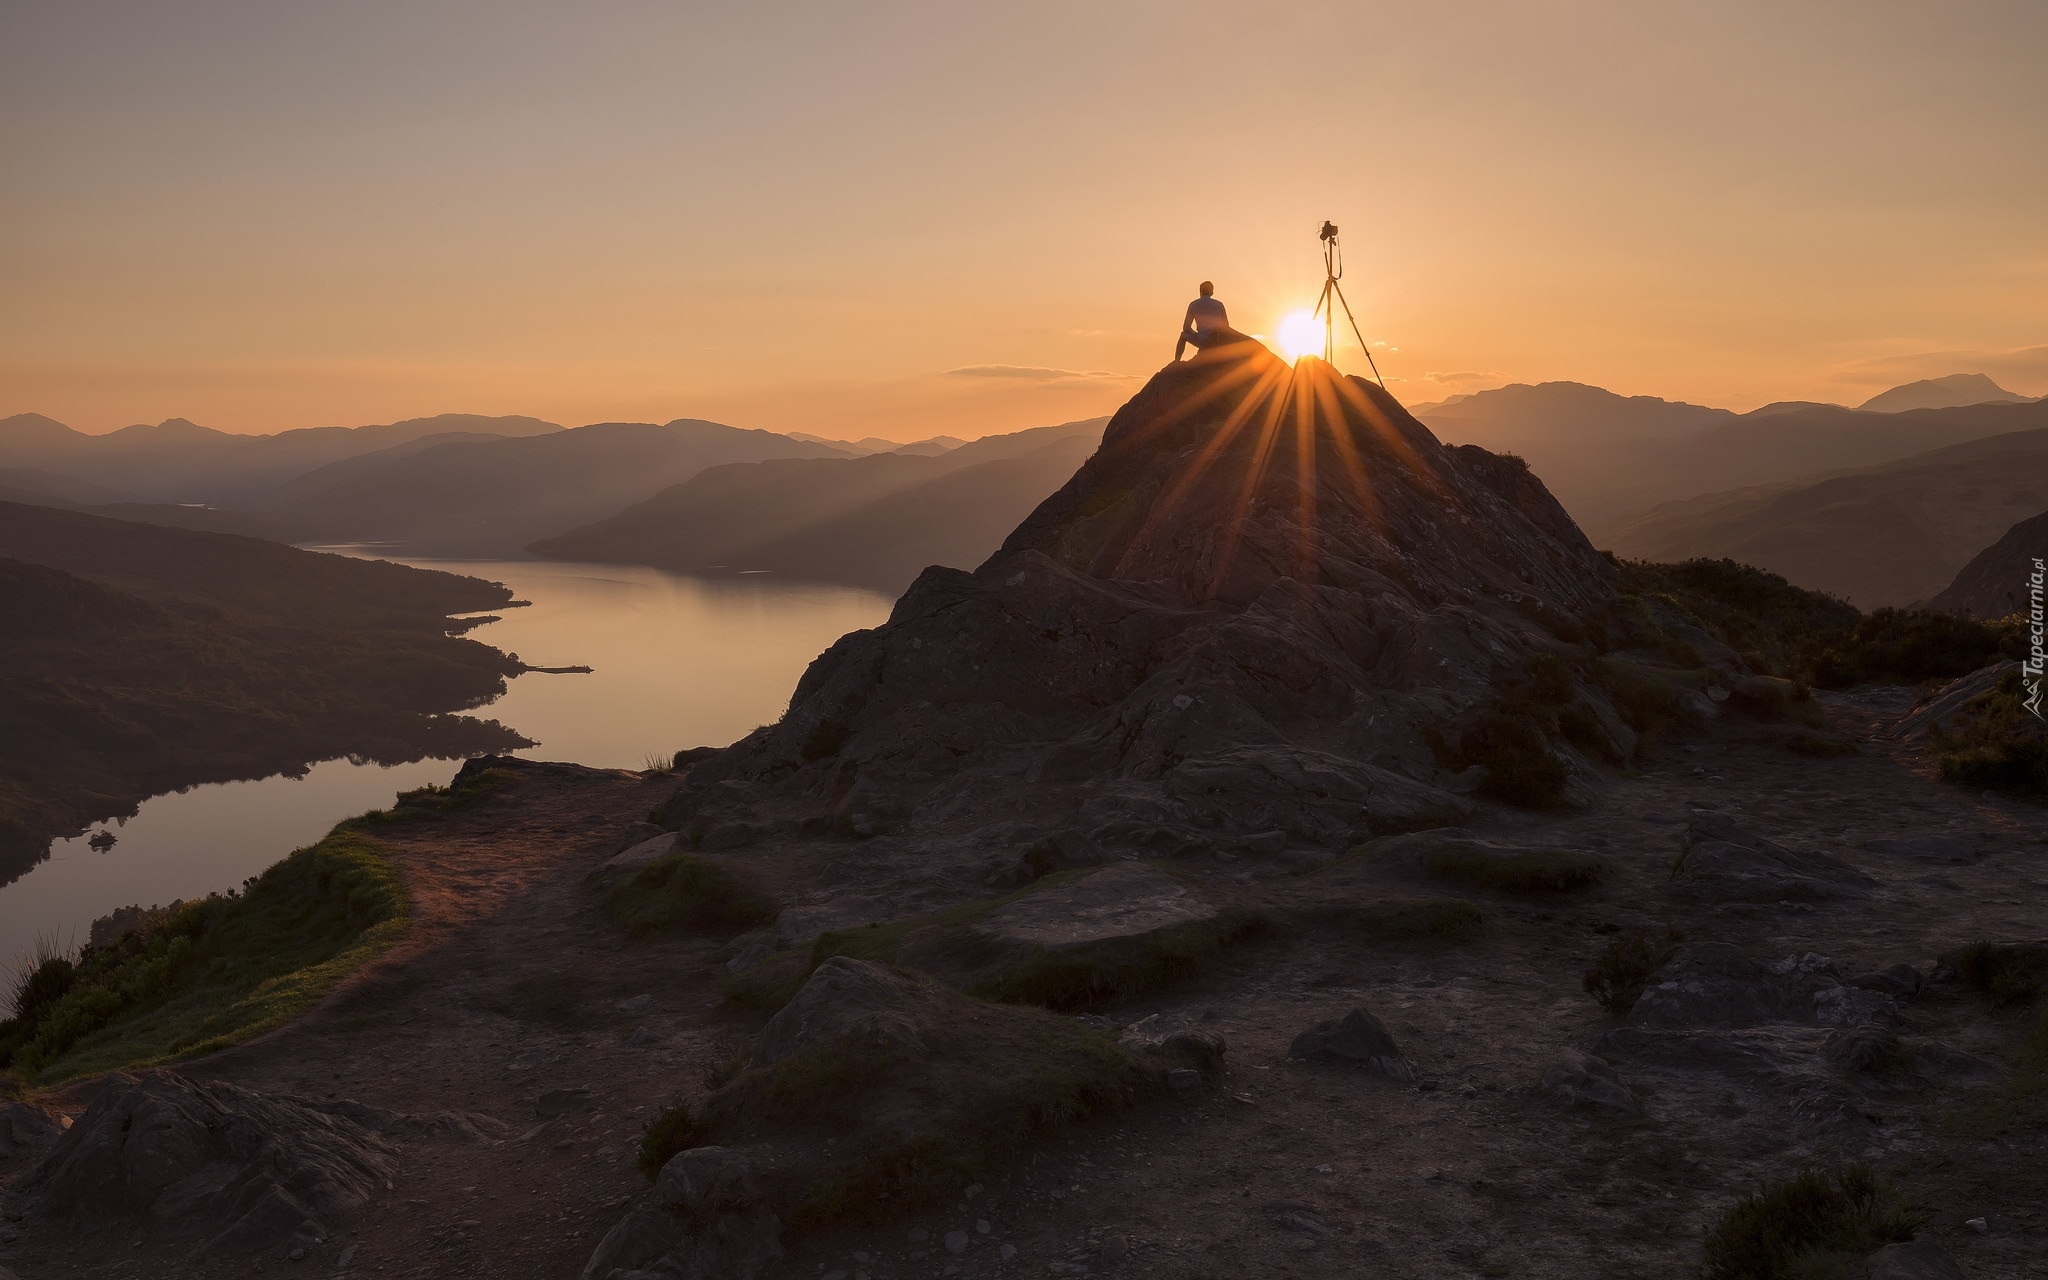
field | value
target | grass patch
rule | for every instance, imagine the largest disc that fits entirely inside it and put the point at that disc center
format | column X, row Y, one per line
column 2021, row 1101
column 912, row 1128
column 1522, row 871
column 673, row 1130
column 1647, row 699
column 1095, row 977
column 685, row 890
column 2007, row 972
column 1424, row 920
column 1816, row 1225
column 433, row 801
column 198, row 976
column 1512, row 737
column 1996, row 743
column 1624, row 967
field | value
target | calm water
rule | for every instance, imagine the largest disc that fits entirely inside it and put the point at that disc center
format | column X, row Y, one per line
column 679, row 662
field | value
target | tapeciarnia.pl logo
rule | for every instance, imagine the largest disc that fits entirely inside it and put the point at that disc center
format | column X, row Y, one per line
column 2037, row 657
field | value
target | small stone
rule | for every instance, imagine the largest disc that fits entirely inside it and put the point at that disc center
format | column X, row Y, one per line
column 1323, row 1168
column 1007, row 1251
column 861, row 1256
column 1184, row 1078
column 982, row 1227
column 1978, row 1225
column 973, row 1190
column 297, row 1254
column 956, row 1242
column 1114, row 1248
column 918, row 1235
column 348, row 1255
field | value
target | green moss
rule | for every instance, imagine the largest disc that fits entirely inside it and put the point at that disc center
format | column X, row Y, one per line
column 1426, row 919
column 1625, row 966
column 683, row 889
column 1523, row 871
column 201, row 975
column 1817, row 1225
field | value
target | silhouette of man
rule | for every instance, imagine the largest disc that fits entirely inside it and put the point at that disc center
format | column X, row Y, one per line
column 1205, row 322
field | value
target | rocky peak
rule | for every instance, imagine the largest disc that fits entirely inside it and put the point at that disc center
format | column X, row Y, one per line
column 1243, row 613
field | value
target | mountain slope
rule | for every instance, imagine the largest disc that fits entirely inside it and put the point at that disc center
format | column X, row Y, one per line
column 493, row 497
column 872, row 521
column 1885, row 535
column 1999, row 580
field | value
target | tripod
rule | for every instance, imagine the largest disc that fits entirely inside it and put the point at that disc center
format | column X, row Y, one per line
column 1333, row 270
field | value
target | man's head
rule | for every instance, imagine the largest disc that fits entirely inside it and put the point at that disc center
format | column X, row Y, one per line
column 1208, row 290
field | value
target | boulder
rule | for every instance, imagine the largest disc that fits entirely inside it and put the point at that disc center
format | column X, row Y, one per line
column 1900, row 981
column 1176, row 1036
column 1357, row 1039
column 847, row 998
column 243, row 1170
column 645, row 853
column 1122, row 901
column 1582, row 1080
column 1862, row 1049
column 26, row 1129
column 1913, row 1260
column 1714, row 985
column 1722, row 862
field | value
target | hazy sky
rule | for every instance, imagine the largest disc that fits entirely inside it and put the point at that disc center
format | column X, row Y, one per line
column 907, row 218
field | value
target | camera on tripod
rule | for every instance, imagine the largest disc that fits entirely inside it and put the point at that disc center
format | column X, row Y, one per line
column 1329, row 231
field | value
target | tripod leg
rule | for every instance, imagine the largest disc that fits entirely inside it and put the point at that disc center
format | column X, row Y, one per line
column 1361, row 341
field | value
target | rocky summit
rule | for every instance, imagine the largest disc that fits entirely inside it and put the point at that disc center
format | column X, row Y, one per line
column 1243, row 615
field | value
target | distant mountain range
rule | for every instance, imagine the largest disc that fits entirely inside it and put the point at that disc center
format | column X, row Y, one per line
column 1891, row 534
column 1998, row 581
column 179, row 461
column 874, row 521
column 1610, row 459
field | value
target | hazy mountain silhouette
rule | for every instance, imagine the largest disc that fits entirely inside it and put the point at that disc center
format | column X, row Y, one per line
column 875, row 444
column 48, row 489
column 493, row 497
column 1890, row 534
column 180, row 461
column 1998, row 580
column 874, row 521
column 1611, row 459
column 1951, row 392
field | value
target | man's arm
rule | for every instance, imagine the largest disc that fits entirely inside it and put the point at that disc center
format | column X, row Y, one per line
column 1187, row 320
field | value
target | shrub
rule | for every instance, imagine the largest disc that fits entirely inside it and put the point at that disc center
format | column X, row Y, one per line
column 1996, row 742
column 2007, row 972
column 1814, row 1225
column 672, row 1130
column 200, row 975
column 1647, row 700
column 1754, row 612
column 1625, row 966
column 2022, row 1100
column 684, row 889
column 1523, row 871
column 1909, row 646
column 1437, row 919
column 1097, row 976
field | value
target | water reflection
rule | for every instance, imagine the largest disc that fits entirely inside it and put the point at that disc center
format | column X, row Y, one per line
column 677, row 662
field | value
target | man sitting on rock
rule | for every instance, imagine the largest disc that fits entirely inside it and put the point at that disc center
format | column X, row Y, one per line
column 1205, row 324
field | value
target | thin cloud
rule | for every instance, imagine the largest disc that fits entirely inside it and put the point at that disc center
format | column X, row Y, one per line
column 1030, row 373
column 2020, row 364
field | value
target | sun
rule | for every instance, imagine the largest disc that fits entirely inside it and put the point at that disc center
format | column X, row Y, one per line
column 1300, row 334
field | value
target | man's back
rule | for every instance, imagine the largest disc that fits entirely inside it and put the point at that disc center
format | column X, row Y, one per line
column 1206, row 313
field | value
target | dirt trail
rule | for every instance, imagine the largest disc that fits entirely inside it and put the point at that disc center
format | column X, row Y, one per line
column 514, row 983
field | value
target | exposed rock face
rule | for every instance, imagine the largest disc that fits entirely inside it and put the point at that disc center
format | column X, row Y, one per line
column 1996, row 583
column 1237, row 618
column 1724, row 863
column 242, row 1170
column 1129, row 900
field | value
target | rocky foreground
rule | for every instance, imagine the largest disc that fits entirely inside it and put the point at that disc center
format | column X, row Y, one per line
column 1150, row 902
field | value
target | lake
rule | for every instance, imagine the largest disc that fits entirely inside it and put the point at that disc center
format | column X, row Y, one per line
column 677, row 662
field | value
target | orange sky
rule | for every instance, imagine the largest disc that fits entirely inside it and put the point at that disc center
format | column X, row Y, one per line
column 904, row 219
